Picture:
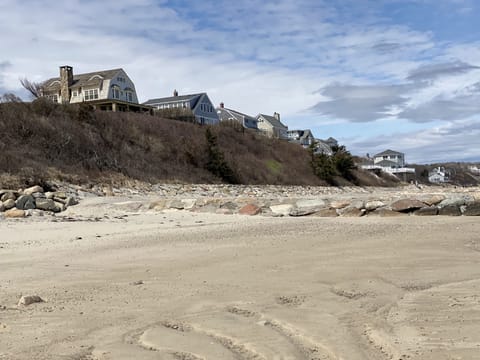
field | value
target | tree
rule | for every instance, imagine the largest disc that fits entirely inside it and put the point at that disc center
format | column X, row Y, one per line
column 35, row 89
column 9, row 97
column 216, row 163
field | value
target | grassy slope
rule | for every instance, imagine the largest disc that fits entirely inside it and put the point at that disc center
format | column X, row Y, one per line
column 42, row 141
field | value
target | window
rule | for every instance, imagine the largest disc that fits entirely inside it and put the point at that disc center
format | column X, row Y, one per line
column 74, row 93
column 53, row 98
column 91, row 94
column 129, row 96
column 115, row 92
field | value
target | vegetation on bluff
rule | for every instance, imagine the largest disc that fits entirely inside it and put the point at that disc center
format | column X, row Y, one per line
column 42, row 141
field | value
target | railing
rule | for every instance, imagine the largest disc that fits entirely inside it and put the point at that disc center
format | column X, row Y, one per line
column 389, row 169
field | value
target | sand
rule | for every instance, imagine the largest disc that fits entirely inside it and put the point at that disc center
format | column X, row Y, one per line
column 181, row 285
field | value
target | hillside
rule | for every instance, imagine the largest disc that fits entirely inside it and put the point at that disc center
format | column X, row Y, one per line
column 43, row 141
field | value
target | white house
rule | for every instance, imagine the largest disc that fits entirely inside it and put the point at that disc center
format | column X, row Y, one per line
column 105, row 89
column 439, row 175
column 389, row 161
column 200, row 105
column 272, row 126
column 247, row 121
column 302, row 137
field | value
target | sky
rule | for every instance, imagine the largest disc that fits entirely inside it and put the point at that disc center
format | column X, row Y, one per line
column 374, row 74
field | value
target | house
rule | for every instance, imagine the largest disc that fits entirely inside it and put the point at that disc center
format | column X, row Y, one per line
column 248, row 122
column 301, row 137
column 272, row 126
column 323, row 147
column 389, row 161
column 439, row 175
column 107, row 89
column 200, row 105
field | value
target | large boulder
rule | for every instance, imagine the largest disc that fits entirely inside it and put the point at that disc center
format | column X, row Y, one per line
column 15, row 213
column 373, row 205
column 250, row 209
column 9, row 204
column 407, row 205
column 282, row 209
column 385, row 212
column 457, row 200
column 45, row 204
column 427, row 211
column 432, row 199
column 33, row 189
column 326, row 213
column 450, row 210
column 310, row 205
column 25, row 202
column 8, row 195
column 2, row 207
column 473, row 209
column 352, row 211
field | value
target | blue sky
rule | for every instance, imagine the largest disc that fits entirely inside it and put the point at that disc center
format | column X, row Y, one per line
column 375, row 74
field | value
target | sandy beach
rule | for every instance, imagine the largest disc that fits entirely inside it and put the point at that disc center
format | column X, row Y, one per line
column 183, row 285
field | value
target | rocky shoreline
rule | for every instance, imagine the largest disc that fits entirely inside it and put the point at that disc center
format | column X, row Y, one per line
column 251, row 200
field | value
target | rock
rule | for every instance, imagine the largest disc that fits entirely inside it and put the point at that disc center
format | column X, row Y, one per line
column 326, row 213
column 302, row 212
column 45, row 204
column 450, row 210
column 351, row 211
column 229, row 205
column 406, row 205
column 384, row 212
column 9, row 195
column 15, row 213
column 49, row 195
column 25, row 202
column 158, row 205
column 2, row 207
column 188, row 204
column 59, row 207
column 472, row 209
column 427, row 211
column 38, row 195
column 339, row 204
column 33, row 189
column 282, row 209
column 71, row 201
column 9, row 204
column 176, row 204
column 28, row 300
column 310, row 205
column 432, row 199
column 60, row 194
column 373, row 205
column 457, row 200
column 357, row 204
column 250, row 209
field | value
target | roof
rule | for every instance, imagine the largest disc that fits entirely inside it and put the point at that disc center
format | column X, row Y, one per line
column 171, row 99
column 272, row 120
column 80, row 80
column 228, row 114
column 388, row 152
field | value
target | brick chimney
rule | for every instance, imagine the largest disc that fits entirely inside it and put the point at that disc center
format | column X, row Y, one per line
column 175, row 92
column 222, row 105
column 66, row 80
column 276, row 116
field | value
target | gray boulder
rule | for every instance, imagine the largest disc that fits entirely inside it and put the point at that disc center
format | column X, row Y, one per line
column 450, row 210
column 25, row 202
column 457, row 200
column 427, row 211
column 2, row 207
column 45, row 204
column 373, row 205
column 472, row 209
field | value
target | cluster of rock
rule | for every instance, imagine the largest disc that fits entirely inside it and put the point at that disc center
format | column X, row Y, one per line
column 451, row 204
column 22, row 203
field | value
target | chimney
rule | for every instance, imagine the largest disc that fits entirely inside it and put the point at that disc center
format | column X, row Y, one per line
column 175, row 92
column 222, row 105
column 66, row 80
column 276, row 116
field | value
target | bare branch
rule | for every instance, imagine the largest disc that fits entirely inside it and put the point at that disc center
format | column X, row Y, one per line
column 33, row 88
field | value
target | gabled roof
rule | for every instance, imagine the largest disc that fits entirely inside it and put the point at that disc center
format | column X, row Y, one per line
column 193, row 98
column 302, row 134
column 388, row 152
column 272, row 120
column 226, row 114
column 87, row 79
